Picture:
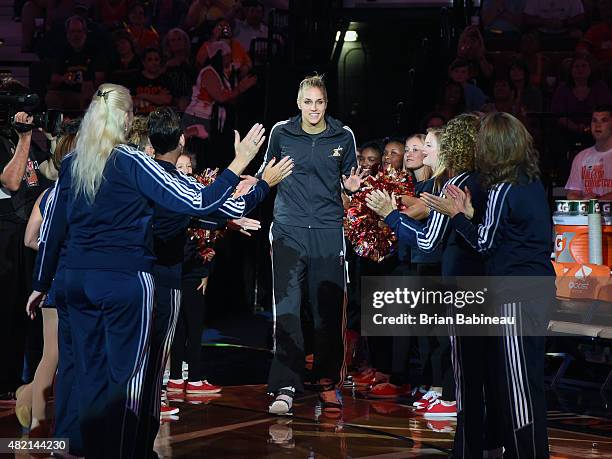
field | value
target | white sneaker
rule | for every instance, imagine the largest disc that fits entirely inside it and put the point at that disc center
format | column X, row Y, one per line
column 283, row 402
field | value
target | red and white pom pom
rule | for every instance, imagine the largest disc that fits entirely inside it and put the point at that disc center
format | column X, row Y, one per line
column 371, row 238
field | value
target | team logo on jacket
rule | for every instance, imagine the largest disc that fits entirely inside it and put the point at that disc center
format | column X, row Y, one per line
column 337, row 151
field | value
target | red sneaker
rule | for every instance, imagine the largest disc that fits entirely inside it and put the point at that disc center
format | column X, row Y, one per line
column 441, row 409
column 387, row 390
column 370, row 377
column 426, row 400
column 204, row 388
column 175, row 387
column 167, row 410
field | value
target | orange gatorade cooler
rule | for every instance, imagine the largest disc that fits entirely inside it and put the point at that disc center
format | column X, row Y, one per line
column 572, row 233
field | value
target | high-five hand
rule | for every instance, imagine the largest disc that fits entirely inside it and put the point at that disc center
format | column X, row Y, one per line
column 244, row 225
column 246, row 183
column 276, row 172
column 353, row 181
column 247, row 148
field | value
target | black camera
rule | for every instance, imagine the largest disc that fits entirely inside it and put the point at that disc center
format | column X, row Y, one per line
column 49, row 121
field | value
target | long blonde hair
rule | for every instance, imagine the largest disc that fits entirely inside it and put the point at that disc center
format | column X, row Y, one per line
column 104, row 126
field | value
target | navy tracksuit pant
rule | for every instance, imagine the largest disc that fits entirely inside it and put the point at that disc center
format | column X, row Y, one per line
column 308, row 263
column 110, row 315
column 511, row 369
column 66, row 388
column 165, row 315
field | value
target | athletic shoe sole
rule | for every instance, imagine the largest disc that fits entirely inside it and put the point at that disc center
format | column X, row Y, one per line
column 203, row 391
column 440, row 415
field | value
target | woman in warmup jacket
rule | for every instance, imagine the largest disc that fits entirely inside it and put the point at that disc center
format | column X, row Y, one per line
column 515, row 238
column 102, row 211
column 457, row 156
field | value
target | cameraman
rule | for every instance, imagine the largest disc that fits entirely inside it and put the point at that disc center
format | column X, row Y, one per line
column 21, row 182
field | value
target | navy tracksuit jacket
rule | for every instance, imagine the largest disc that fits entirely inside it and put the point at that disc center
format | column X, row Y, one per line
column 308, row 250
column 109, row 287
column 515, row 238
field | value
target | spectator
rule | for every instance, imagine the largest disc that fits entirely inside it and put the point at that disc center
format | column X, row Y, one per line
column 151, row 88
column 598, row 39
column 432, row 120
column 169, row 13
column 202, row 11
column 502, row 17
column 77, row 70
column 40, row 17
column 252, row 27
column 472, row 49
column 36, row 17
column 452, row 100
column 213, row 94
column 179, row 69
column 555, row 16
column 125, row 65
column 525, row 94
column 504, row 100
column 241, row 62
column 591, row 175
column 459, row 72
column 537, row 62
column 576, row 99
column 143, row 36
column 111, row 13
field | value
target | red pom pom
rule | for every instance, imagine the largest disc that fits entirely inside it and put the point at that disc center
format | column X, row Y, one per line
column 205, row 238
column 372, row 238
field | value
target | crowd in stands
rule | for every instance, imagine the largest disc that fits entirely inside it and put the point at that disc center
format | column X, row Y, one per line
column 194, row 56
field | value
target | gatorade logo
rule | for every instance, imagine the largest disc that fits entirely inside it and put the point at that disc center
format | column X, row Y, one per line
column 560, row 243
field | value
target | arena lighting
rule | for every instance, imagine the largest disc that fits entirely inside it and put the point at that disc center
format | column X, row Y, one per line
column 350, row 35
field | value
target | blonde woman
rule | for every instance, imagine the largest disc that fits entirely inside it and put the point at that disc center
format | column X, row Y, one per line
column 103, row 198
column 31, row 407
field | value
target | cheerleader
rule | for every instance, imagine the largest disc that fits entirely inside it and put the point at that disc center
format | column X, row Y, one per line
column 457, row 150
column 514, row 236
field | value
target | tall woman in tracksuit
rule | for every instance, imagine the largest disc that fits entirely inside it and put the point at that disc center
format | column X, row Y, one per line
column 515, row 238
column 457, row 150
column 102, row 211
column 308, row 246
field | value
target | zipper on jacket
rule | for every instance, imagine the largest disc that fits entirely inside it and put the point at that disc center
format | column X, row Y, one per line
column 310, row 174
